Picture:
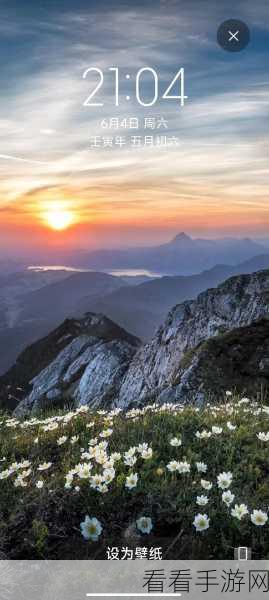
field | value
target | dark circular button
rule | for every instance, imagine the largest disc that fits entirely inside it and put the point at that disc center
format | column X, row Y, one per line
column 233, row 35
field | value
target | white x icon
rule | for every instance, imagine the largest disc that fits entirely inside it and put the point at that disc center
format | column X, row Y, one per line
column 234, row 36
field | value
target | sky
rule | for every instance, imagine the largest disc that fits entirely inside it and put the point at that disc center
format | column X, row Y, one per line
column 213, row 183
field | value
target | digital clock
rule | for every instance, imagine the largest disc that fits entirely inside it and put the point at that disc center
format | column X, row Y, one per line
column 177, row 83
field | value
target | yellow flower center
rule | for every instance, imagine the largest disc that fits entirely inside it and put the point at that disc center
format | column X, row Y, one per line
column 144, row 523
column 91, row 529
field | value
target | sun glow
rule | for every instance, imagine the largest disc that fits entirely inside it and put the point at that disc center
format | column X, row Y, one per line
column 59, row 218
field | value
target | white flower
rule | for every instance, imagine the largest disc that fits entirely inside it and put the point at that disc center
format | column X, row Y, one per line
column 102, row 445
column 108, row 475
column 129, row 459
column 217, row 430
column 144, row 524
column 96, row 481
column 207, row 485
column 5, row 474
column 224, row 480
column 201, row 522
column 173, row 466
column 85, row 470
column 228, row 497
column 12, row 423
column 202, row 500
column 131, row 451
column 259, row 518
column 44, row 466
column 203, row 435
column 86, row 455
column 115, row 456
column 39, row 484
column 244, row 401
column 175, row 442
column 147, row 454
column 142, row 447
column 106, row 433
column 131, row 481
column 239, row 511
column 264, row 437
column 82, row 409
column 74, row 439
column 68, row 481
column 62, row 440
column 20, row 482
column 91, row 529
column 14, row 467
column 50, row 427
column 26, row 473
column 184, row 467
column 101, row 457
column 201, row 467
column 230, row 426
column 228, row 394
column 103, row 489
column 109, row 464
column 24, row 464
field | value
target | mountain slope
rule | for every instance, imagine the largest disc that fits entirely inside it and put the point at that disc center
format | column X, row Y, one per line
column 237, row 360
column 238, row 302
column 151, row 300
column 82, row 360
column 14, row 286
column 62, row 298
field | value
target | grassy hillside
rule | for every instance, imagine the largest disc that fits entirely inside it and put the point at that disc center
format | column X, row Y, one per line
column 57, row 470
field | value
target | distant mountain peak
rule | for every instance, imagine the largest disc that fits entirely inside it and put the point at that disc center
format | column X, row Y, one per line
column 181, row 237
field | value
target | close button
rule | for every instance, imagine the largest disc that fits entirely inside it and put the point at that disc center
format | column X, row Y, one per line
column 233, row 35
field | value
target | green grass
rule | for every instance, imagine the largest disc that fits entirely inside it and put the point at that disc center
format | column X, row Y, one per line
column 45, row 523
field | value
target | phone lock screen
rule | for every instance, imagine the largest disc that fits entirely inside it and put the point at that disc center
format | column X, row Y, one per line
column 134, row 298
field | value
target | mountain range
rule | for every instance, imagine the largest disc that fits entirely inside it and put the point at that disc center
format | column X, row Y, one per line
column 34, row 303
column 183, row 255
column 204, row 346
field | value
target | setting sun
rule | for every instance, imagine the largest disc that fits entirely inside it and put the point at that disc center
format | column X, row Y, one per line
column 59, row 218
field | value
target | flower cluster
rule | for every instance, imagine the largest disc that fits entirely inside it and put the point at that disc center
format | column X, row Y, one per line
column 83, row 452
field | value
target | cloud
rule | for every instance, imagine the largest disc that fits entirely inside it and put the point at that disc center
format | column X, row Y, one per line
column 45, row 131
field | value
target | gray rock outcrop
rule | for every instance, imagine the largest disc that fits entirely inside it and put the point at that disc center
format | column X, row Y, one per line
column 157, row 368
column 88, row 370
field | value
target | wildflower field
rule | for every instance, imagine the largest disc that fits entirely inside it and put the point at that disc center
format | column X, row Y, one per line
column 194, row 482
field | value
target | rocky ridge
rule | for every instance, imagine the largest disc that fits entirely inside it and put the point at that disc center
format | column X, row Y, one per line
column 157, row 368
column 218, row 341
column 85, row 362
